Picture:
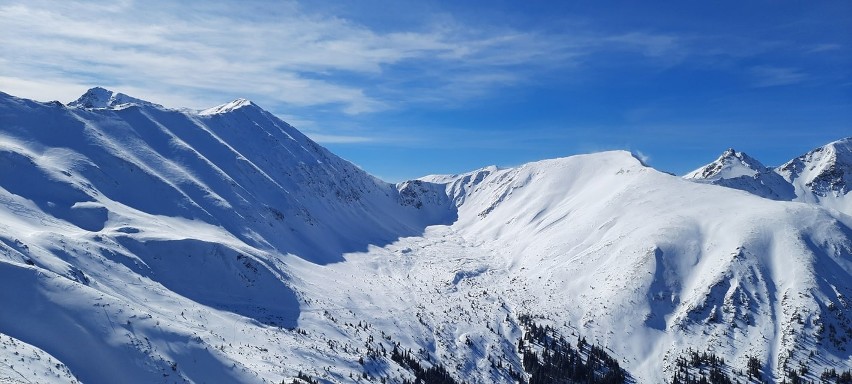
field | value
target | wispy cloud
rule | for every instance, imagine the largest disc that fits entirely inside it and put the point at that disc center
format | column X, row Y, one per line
column 765, row 76
column 825, row 47
column 280, row 54
column 82, row 44
column 649, row 44
column 286, row 58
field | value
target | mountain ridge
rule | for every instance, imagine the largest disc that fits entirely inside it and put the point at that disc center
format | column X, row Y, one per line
column 730, row 164
column 821, row 176
column 179, row 246
column 99, row 97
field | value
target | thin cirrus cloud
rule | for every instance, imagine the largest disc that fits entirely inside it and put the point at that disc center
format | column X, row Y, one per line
column 323, row 70
column 767, row 76
column 502, row 81
column 82, row 45
column 285, row 58
column 194, row 56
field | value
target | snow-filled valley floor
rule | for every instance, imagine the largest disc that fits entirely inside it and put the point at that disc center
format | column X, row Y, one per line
column 140, row 245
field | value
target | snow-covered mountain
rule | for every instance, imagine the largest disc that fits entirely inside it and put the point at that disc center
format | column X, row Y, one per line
column 731, row 164
column 99, row 97
column 225, row 246
column 822, row 176
column 738, row 170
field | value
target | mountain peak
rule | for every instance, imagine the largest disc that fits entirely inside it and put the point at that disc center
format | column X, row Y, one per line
column 824, row 171
column 99, row 97
column 842, row 147
column 229, row 107
column 236, row 236
column 730, row 164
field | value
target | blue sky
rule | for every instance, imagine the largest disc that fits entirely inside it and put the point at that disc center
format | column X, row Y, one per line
column 408, row 88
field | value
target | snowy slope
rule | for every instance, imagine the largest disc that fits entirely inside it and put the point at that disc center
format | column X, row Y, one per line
column 225, row 246
column 103, row 98
column 644, row 263
column 821, row 176
column 652, row 265
column 199, row 206
column 734, row 169
column 731, row 164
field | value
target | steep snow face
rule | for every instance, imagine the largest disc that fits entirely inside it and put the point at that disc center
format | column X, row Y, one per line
column 738, row 170
column 821, row 176
column 731, row 164
column 459, row 187
column 224, row 245
column 103, row 98
column 644, row 263
column 824, row 171
column 228, row 107
column 197, row 207
column 235, row 166
column 30, row 364
column 651, row 265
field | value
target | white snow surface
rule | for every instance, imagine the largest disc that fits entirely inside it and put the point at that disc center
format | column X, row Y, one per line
column 821, row 176
column 729, row 165
column 228, row 107
column 103, row 98
column 225, row 246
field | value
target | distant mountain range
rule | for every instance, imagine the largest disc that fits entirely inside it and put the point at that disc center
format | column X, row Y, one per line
column 822, row 176
column 141, row 244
